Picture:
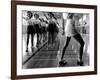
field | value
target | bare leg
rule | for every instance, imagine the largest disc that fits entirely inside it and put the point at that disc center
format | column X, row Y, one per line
column 49, row 38
column 40, row 40
column 27, row 42
column 52, row 36
column 32, row 40
column 32, row 37
column 37, row 40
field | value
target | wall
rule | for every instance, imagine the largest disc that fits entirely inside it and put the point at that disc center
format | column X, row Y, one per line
column 5, row 40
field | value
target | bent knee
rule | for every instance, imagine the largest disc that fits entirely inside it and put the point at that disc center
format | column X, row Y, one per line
column 82, row 43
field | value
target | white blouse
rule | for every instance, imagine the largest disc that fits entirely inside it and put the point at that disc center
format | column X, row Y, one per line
column 70, row 28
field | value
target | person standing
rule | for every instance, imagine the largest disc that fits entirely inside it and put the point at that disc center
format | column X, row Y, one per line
column 44, row 29
column 30, row 29
column 37, row 27
column 52, row 29
column 70, row 31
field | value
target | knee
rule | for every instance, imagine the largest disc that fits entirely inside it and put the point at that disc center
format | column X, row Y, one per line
column 82, row 44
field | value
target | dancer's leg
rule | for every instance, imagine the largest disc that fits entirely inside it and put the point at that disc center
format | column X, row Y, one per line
column 64, row 49
column 81, row 41
column 32, row 38
column 27, row 42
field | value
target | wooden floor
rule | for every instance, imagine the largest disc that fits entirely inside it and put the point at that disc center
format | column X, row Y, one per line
column 48, row 58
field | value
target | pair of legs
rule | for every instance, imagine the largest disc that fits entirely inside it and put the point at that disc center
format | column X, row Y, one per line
column 44, row 36
column 38, row 39
column 28, row 36
column 80, row 40
column 50, row 38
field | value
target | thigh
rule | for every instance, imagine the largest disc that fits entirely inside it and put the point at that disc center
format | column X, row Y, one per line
column 79, row 38
column 32, row 36
column 68, row 40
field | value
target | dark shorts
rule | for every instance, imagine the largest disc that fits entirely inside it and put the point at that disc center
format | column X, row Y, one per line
column 52, row 27
column 37, row 28
column 30, row 29
column 43, row 29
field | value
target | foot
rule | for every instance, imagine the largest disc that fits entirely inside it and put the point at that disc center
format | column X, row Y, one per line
column 49, row 46
column 32, row 49
column 80, row 63
column 43, row 40
column 26, row 50
column 62, row 63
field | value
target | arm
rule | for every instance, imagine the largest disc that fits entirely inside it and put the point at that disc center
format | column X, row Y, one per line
column 44, row 21
column 46, row 16
column 25, row 18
